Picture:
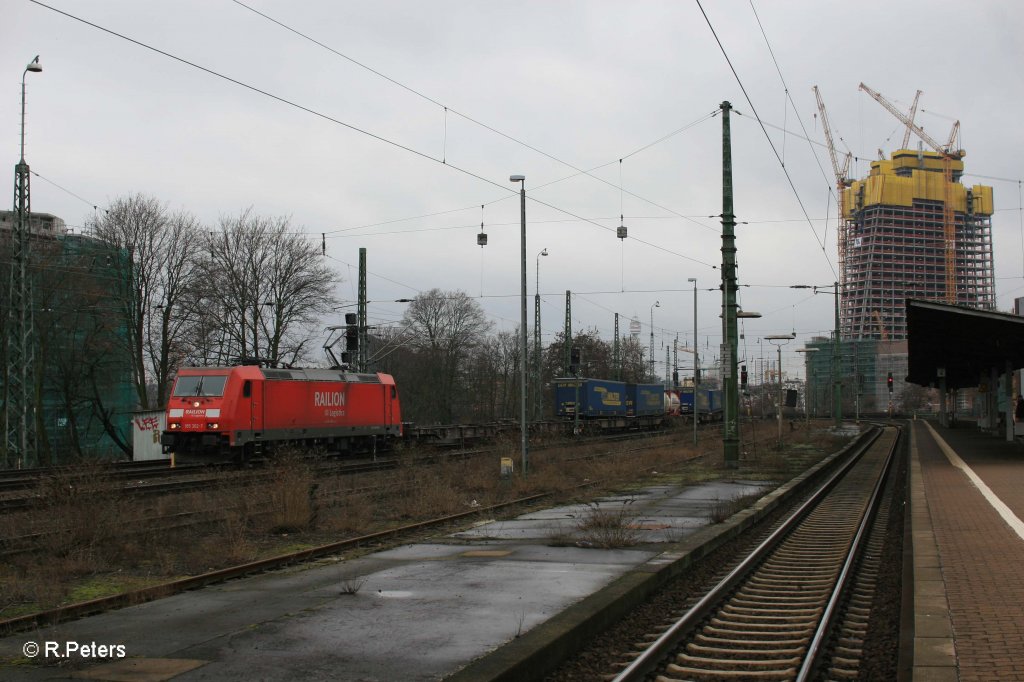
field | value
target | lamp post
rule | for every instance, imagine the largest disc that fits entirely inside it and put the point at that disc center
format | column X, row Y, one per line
column 782, row 340
column 19, row 425
column 524, row 437
column 696, row 359
column 657, row 304
column 807, row 393
column 536, row 341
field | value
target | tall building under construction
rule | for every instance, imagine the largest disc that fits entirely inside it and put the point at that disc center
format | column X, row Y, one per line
column 910, row 229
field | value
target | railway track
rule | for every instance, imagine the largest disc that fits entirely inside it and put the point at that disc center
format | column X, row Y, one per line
column 798, row 603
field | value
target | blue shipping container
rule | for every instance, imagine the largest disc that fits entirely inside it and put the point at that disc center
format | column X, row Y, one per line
column 597, row 397
column 709, row 401
column 645, row 399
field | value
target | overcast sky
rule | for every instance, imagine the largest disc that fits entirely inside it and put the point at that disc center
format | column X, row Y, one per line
column 542, row 89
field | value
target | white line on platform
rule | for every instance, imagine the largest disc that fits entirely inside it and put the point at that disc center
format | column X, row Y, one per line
column 1011, row 519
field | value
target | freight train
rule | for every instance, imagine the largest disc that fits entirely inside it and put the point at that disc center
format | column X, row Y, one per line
column 222, row 413
column 604, row 404
column 217, row 411
column 709, row 403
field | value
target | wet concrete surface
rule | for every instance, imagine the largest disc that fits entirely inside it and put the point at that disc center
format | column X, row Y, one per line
column 417, row 612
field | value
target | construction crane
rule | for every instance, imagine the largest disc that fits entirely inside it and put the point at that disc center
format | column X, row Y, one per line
column 949, row 153
column 910, row 118
column 841, row 171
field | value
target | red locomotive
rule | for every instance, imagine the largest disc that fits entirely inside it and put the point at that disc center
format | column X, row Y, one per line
column 213, row 411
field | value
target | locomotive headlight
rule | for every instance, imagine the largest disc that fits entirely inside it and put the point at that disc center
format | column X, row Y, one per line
column 195, row 404
column 213, row 425
column 175, row 425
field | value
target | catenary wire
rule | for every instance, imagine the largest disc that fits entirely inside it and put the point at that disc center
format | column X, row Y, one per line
column 785, row 171
column 342, row 123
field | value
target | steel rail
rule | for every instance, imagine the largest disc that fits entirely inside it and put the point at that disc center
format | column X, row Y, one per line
column 814, row 649
column 650, row 659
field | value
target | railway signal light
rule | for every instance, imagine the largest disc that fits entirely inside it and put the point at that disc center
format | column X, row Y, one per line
column 889, row 381
column 743, row 376
column 574, row 360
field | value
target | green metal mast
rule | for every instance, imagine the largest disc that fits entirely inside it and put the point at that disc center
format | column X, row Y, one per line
column 361, row 362
column 536, row 357
column 730, row 438
column 837, row 381
column 568, row 330
column 617, row 352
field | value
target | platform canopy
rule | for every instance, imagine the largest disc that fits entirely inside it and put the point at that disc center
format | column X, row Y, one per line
column 965, row 342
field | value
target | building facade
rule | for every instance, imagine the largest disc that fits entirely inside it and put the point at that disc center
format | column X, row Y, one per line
column 910, row 229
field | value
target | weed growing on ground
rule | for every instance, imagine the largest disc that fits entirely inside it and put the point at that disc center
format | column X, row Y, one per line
column 607, row 527
column 351, row 585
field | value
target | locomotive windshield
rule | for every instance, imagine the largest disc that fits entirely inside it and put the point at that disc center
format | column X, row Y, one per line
column 209, row 386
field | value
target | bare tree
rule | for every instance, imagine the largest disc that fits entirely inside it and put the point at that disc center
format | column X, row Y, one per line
column 445, row 327
column 269, row 285
column 494, row 374
column 171, row 324
column 155, row 258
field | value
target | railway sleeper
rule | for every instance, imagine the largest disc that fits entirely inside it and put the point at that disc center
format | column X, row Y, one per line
column 771, row 610
column 804, row 571
column 846, row 663
column 843, row 653
column 738, row 625
column 739, row 633
column 763, row 595
column 717, row 664
column 857, row 629
column 694, row 673
column 792, row 584
column 798, row 566
column 743, row 653
column 767, row 643
column 756, row 594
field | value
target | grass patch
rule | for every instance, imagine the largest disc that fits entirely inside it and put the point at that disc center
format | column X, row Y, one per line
column 722, row 510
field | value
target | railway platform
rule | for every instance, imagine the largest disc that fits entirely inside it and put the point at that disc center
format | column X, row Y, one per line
column 422, row 611
column 967, row 502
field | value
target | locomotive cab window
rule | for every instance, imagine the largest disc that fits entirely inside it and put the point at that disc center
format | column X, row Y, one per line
column 247, row 389
column 207, row 386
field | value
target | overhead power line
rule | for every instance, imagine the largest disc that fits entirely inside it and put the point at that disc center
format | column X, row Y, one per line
column 350, row 126
column 768, row 137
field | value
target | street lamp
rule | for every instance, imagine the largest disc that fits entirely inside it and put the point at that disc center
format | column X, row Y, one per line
column 657, row 304
column 536, row 341
column 18, row 423
column 807, row 406
column 696, row 359
column 524, row 438
column 35, row 67
column 782, row 340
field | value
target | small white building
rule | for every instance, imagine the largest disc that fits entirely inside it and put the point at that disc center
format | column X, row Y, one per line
column 146, row 429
